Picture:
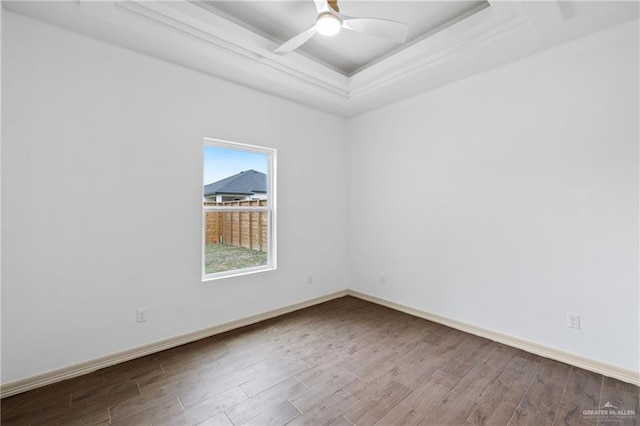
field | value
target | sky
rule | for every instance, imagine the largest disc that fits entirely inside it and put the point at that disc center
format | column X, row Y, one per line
column 220, row 163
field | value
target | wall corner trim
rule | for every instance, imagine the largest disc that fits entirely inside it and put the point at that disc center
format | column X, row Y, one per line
column 53, row 376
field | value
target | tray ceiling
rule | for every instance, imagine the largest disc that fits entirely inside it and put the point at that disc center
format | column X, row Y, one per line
column 347, row 52
column 347, row 74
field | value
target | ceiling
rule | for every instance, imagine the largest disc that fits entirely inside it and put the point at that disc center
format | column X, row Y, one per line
column 347, row 52
column 347, row 74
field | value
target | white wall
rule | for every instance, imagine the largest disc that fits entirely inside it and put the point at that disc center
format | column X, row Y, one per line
column 527, row 178
column 527, row 206
column 86, row 121
column 1, row 18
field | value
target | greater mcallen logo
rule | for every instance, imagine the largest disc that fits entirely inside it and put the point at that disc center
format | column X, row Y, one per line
column 609, row 413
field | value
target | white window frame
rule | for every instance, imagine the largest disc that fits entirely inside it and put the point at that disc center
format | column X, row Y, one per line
column 270, row 208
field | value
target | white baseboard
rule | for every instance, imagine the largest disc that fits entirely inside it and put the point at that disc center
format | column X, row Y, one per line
column 49, row 377
column 53, row 376
column 599, row 367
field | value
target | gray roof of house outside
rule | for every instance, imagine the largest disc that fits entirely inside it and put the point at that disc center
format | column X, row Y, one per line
column 245, row 183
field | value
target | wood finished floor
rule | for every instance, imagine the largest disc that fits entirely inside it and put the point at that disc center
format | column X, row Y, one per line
column 343, row 362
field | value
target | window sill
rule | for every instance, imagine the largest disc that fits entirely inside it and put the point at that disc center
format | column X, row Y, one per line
column 237, row 273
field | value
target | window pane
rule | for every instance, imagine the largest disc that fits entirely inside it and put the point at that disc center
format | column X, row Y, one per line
column 235, row 240
column 234, row 175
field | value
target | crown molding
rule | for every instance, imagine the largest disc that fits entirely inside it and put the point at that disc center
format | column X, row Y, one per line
column 482, row 27
column 194, row 22
column 193, row 35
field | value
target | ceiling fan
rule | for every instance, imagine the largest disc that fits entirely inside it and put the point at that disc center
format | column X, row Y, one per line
column 330, row 21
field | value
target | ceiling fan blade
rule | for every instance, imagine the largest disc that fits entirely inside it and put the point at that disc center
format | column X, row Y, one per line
column 297, row 41
column 391, row 30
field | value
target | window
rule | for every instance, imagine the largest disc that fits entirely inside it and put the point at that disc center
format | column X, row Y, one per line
column 238, row 209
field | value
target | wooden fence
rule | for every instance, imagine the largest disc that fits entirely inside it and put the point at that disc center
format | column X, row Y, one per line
column 242, row 229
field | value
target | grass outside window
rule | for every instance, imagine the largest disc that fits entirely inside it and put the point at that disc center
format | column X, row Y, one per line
column 225, row 257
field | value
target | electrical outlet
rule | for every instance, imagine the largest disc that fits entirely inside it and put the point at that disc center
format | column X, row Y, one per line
column 383, row 280
column 573, row 321
column 141, row 314
column 310, row 278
